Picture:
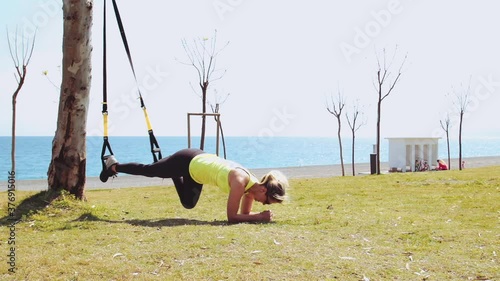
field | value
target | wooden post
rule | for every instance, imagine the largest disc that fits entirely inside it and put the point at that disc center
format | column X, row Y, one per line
column 218, row 128
column 189, row 129
column 217, row 118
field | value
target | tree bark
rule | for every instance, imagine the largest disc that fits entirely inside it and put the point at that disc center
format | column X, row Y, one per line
column 67, row 169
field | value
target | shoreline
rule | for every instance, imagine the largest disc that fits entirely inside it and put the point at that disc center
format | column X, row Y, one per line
column 319, row 171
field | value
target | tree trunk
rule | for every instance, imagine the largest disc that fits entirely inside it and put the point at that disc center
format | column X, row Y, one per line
column 204, row 88
column 340, row 147
column 22, row 77
column 377, row 149
column 13, row 149
column 448, row 146
column 353, row 168
column 217, row 120
column 460, row 141
column 67, row 168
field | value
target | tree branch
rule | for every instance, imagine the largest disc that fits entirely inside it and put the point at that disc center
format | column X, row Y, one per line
column 203, row 57
column 397, row 77
column 445, row 124
column 338, row 105
column 355, row 115
column 10, row 49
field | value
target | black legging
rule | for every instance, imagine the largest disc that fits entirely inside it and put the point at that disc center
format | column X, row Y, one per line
column 176, row 167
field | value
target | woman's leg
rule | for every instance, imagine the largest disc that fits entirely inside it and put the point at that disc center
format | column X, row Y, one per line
column 176, row 167
column 188, row 190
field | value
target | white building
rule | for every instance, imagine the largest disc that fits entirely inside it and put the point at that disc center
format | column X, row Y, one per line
column 412, row 154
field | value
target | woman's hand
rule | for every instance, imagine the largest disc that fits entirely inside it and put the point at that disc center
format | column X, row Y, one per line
column 266, row 216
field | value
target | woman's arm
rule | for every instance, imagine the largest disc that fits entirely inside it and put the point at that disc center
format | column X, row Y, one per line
column 246, row 204
column 237, row 182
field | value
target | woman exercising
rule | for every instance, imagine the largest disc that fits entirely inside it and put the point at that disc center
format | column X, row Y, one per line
column 190, row 169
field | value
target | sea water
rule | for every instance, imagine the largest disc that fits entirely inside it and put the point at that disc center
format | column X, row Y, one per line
column 33, row 154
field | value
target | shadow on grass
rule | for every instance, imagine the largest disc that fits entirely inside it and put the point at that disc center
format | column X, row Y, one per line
column 30, row 205
column 153, row 222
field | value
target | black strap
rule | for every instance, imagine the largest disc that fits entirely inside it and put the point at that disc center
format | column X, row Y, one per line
column 155, row 148
column 104, row 67
column 125, row 44
column 105, row 145
column 127, row 49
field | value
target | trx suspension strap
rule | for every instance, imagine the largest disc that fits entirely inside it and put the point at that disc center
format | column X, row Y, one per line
column 155, row 148
column 105, row 144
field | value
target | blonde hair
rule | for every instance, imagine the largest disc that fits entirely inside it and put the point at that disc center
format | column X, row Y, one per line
column 276, row 184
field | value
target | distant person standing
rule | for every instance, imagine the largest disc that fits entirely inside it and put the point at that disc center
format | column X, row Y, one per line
column 442, row 165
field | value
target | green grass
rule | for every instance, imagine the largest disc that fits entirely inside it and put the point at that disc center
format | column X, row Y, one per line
column 412, row 226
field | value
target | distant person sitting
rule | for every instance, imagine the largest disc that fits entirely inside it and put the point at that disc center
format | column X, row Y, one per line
column 418, row 165
column 425, row 167
column 442, row 165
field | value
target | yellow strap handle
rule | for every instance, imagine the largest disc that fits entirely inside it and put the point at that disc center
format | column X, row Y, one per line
column 147, row 119
column 105, row 119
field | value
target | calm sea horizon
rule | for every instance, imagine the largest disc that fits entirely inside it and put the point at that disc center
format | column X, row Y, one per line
column 33, row 153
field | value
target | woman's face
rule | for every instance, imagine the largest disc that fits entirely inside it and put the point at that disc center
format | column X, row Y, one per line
column 261, row 196
column 267, row 200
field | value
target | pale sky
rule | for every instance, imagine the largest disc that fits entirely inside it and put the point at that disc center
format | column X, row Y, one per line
column 284, row 59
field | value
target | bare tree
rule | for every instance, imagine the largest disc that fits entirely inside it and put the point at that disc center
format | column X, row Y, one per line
column 202, row 54
column 335, row 109
column 445, row 125
column 20, row 52
column 384, row 87
column 462, row 102
column 67, row 169
column 354, row 125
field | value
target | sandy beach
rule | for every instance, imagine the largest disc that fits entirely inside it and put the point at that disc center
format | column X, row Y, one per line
column 292, row 172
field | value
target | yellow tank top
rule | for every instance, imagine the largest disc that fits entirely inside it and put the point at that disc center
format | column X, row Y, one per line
column 212, row 170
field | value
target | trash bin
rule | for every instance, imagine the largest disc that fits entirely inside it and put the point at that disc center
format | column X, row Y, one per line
column 373, row 163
